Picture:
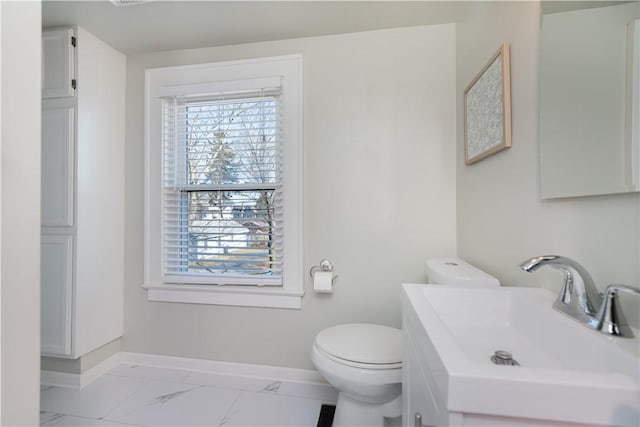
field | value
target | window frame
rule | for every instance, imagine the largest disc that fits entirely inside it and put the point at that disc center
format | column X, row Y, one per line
column 212, row 78
column 176, row 191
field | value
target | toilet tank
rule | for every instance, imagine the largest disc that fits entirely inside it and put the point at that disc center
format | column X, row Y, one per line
column 454, row 271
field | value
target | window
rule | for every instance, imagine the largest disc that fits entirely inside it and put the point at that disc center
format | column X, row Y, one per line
column 223, row 205
column 222, row 193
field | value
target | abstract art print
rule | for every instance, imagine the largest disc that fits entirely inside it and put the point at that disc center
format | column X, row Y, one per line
column 487, row 109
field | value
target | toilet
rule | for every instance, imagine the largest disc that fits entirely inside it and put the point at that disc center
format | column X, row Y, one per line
column 363, row 361
column 454, row 271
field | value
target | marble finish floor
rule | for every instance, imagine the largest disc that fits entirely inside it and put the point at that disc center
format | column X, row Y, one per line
column 131, row 395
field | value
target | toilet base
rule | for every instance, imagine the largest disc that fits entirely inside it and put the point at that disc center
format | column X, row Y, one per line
column 355, row 413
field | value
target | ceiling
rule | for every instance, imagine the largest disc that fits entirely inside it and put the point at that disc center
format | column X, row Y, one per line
column 167, row 25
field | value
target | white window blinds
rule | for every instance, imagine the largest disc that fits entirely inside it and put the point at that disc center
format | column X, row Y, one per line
column 222, row 188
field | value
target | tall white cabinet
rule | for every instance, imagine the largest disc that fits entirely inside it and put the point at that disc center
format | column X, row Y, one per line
column 82, row 244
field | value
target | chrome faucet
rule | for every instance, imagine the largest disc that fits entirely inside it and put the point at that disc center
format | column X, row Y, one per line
column 579, row 297
column 610, row 315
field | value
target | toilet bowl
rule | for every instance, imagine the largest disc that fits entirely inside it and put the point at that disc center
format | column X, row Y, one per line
column 364, row 363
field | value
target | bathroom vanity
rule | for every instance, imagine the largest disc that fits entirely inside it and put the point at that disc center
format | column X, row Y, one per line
column 566, row 374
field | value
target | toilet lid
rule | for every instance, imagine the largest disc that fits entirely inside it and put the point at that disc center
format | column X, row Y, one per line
column 362, row 343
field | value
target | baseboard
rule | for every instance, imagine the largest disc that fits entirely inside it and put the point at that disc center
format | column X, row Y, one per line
column 276, row 373
column 226, row 368
column 71, row 380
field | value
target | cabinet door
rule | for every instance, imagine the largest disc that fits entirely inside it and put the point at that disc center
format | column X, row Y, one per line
column 56, row 281
column 58, row 63
column 57, row 166
column 420, row 408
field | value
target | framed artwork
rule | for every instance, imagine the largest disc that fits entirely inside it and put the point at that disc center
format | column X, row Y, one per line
column 487, row 109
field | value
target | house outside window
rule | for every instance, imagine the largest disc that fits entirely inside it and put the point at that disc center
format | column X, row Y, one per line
column 223, row 205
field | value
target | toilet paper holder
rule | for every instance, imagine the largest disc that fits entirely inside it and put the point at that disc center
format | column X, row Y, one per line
column 325, row 265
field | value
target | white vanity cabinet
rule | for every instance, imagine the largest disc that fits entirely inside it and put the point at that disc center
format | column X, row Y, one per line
column 420, row 408
column 422, row 403
column 426, row 384
column 82, row 203
column 451, row 332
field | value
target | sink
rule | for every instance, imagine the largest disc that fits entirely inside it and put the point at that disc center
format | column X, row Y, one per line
column 567, row 372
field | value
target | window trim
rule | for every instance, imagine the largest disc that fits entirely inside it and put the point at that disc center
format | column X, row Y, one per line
column 230, row 74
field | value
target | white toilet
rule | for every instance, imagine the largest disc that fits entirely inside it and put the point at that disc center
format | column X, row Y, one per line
column 363, row 361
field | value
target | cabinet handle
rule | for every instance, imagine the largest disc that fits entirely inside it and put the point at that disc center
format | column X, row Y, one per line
column 417, row 421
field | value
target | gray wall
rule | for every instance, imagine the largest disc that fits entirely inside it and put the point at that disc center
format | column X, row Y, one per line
column 379, row 192
column 501, row 219
column 20, row 214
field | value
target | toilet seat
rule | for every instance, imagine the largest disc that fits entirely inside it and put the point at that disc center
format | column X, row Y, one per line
column 362, row 345
column 360, row 365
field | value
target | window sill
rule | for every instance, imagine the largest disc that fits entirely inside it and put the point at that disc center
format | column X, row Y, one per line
column 224, row 295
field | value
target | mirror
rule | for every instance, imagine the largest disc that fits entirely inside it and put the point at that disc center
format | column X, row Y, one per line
column 589, row 94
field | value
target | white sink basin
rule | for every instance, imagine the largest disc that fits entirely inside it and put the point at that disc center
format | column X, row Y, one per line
column 567, row 373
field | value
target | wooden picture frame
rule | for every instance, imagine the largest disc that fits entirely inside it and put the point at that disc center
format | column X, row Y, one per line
column 487, row 109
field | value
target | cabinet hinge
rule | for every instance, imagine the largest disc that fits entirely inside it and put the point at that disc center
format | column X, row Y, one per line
column 73, row 83
column 73, row 41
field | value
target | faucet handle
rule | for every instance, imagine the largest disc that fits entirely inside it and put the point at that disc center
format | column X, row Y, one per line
column 611, row 320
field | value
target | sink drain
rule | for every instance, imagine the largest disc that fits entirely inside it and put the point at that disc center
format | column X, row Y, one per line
column 501, row 357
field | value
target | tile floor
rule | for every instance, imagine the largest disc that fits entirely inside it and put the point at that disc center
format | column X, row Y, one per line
column 131, row 395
